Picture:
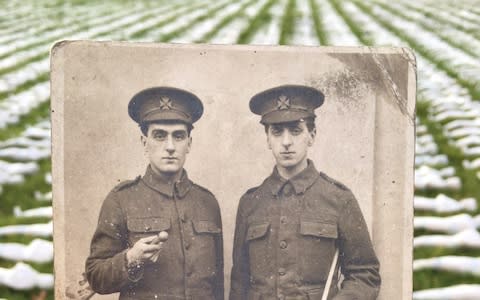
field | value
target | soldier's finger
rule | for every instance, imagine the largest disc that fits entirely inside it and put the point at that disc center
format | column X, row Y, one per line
column 148, row 248
column 148, row 239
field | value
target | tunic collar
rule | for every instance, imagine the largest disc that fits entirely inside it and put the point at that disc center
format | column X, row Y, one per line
column 180, row 187
column 300, row 182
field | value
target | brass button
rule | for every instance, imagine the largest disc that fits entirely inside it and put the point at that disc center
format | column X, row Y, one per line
column 283, row 244
column 187, row 245
column 281, row 271
column 148, row 228
column 283, row 220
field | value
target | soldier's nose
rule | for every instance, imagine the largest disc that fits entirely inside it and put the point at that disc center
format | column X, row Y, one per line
column 170, row 146
column 286, row 139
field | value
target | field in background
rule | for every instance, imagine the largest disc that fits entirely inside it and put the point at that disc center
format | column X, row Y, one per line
column 445, row 36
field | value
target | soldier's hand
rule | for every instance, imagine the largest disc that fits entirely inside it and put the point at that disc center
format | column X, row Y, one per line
column 144, row 249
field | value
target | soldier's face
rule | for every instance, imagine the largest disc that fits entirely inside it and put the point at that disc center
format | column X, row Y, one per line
column 289, row 143
column 166, row 146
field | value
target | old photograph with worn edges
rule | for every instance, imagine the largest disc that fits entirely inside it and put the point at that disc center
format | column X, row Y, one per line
column 232, row 172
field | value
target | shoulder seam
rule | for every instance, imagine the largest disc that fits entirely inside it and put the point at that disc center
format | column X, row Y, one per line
column 126, row 183
column 334, row 182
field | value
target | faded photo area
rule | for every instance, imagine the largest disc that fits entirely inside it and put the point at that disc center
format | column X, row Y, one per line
column 232, row 172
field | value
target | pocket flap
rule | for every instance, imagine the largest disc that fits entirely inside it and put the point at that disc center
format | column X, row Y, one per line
column 206, row 227
column 150, row 224
column 256, row 231
column 319, row 229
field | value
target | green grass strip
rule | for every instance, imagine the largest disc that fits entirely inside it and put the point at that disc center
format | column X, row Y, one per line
column 288, row 23
column 25, row 86
column 429, row 279
column 224, row 22
column 23, row 195
column 336, row 4
column 319, row 28
column 263, row 17
column 473, row 88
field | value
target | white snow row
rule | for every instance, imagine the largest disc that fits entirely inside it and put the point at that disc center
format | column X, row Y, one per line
column 465, row 238
column 24, row 277
column 38, row 251
column 444, row 204
column 456, row 292
column 42, row 230
column 39, row 196
column 453, row 224
column 457, row 264
column 430, row 178
column 33, row 212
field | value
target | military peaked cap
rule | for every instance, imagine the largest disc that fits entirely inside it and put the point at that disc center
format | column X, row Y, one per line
column 165, row 103
column 286, row 103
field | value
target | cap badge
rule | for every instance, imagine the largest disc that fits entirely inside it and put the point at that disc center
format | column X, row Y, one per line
column 283, row 102
column 165, row 103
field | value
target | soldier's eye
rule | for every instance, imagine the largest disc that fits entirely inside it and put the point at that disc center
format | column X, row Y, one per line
column 159, row 135
column 296, row 130
column 276, row 130
column 180, row 136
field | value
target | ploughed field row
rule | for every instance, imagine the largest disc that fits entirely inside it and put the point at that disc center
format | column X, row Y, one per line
column 444, row 36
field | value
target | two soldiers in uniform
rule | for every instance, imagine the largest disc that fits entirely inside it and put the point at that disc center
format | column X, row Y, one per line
column 289, row 230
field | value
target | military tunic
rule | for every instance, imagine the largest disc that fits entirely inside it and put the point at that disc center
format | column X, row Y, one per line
column 190, row 265
column 286, row 234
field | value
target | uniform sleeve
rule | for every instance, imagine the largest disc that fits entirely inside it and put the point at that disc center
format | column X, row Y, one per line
column 240, row 270
column 358, row 260
column 105, row 268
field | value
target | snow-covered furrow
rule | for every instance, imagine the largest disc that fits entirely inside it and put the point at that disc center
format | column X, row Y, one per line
column 159, row 33
column 304, row 27
column 269, row 34
column 231, row 33
column 338, row 33
column 205, row 26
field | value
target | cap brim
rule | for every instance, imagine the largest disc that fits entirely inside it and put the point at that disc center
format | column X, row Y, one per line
column 283, row 116
column 166, row 115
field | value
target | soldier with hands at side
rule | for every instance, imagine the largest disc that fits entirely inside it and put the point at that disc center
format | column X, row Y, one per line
column 291, row 229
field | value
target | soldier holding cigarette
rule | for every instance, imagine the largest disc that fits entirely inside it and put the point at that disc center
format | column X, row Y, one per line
column 160, row 236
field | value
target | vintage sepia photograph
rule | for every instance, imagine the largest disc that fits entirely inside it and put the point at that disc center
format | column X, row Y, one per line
column 232, row 172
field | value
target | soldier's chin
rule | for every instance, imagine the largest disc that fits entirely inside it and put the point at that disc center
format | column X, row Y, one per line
column 170, row 169
column 287, row 163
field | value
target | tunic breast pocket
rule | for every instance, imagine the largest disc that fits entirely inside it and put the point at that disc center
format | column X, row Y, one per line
column 257, row 239
column 203, row 245
column 144, row 227
column 318, row 245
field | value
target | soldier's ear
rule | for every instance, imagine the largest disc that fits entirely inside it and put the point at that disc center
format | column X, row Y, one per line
column 268, row 143
column 189, row 143
column 312, row 134
column 143, row 140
